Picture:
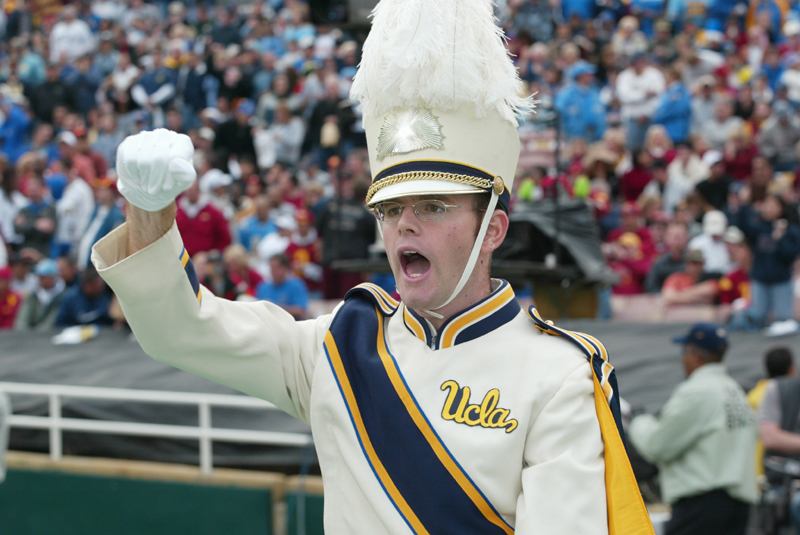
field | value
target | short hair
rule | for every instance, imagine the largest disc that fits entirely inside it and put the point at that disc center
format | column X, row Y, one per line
column 778, row 361
column 281, row 259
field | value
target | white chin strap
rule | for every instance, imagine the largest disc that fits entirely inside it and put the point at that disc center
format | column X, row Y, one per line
column 473, row 257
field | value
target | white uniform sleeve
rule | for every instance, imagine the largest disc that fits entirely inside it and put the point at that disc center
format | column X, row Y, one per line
column 564, row 464
column 257, row 348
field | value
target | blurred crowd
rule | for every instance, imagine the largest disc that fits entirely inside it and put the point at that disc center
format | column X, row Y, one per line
column 678, row 120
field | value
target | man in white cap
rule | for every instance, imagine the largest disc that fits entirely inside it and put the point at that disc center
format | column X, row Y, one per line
column 452, row 411
column 710, row 242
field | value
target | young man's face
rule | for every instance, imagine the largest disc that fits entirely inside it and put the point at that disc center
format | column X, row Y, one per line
column 428, row 257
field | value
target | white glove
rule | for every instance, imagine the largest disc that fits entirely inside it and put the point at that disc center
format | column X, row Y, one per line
column 154, row 168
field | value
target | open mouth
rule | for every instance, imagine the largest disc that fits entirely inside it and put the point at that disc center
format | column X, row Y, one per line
column 414, row 264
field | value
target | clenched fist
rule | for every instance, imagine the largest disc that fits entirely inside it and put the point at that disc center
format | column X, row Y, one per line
column 154, row 168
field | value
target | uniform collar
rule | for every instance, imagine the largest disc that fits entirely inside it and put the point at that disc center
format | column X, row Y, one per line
column 483, row 317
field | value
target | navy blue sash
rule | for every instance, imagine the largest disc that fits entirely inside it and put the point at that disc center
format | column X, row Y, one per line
column 425, row 483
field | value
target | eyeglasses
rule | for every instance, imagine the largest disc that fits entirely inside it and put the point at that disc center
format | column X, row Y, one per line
column 426, row 210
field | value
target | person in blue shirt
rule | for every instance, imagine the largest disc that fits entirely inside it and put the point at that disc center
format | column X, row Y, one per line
column 85, row 303
column 155, row 89
column 258, row 225
column 675, row 110
column 14, row 131
column 583, row 115
column 285, row 290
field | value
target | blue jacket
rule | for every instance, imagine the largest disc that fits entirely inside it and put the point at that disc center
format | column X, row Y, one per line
column 582, row 113
column 77, row 309
column 14, row 131
column 772, row 260
column 675, row 112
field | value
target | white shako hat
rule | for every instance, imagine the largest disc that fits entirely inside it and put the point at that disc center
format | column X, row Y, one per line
column 440, row 98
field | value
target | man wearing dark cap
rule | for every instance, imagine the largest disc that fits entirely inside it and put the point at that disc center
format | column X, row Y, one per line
column 703, row 442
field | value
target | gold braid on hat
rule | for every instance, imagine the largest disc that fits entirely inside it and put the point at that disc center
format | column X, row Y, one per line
column 467, row 180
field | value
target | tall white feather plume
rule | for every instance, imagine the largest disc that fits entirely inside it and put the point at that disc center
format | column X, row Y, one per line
column 437, row 54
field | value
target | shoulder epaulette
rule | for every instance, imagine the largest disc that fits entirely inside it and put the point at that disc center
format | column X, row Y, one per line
column 588, row 344
column 381, row 297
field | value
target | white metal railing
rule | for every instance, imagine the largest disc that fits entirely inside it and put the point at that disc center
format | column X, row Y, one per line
column 205, row 433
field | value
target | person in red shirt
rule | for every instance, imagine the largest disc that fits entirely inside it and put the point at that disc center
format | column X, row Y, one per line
column 305, row 251
column 632, row 222
column 9, row 301
column 633, row 182
column 243, row 276
column 627, row 259
column 68, row 150
column 202, row 226
column 735, row 285
column 82, row 147
column 739, row 153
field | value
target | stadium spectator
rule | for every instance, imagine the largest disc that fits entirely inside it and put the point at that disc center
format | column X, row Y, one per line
column 9, row 300
column 703, row 442
column 234, row 136
column 74, row 209
column 778, row 362
column 719, row 129
column 105, row 218
column 287, row 133
column 631, row 216
column 734, row 286
column 779, row 135
column 671, row 189
column 36, row 222
column 253, row 229
column 50, row 95
column 347, row 230
column 690, row 286
column 155, row 89
column 245, row 278
column 85, row 303
column 674, row 110
column 72, row 161
column 711, row 244
column 70, row 38
column 671, row 261
column 202, row 226
column 703, row 103
column 108, row 139
column 583, row 115
column 15, row 129
column 776, row 244
column 285, row 289
column 633, row 182
column 639, row 88
column 740, row 150
column 304, row 251
column 215, row 276
column 626, row 257
column 214, row 184
column 40, row 308
column 714, row 190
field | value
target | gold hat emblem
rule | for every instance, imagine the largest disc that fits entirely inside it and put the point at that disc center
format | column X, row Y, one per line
column 408, row 131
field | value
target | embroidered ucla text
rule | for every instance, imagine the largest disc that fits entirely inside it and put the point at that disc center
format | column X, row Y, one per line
column 487, row 414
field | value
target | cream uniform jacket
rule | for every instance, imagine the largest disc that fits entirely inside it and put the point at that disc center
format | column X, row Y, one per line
column 527, row 433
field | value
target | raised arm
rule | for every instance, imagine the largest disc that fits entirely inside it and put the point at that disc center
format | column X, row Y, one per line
column 254, row 347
